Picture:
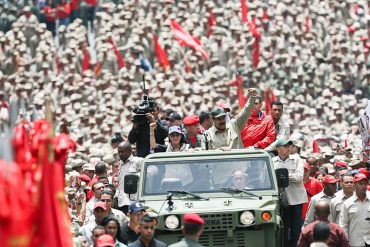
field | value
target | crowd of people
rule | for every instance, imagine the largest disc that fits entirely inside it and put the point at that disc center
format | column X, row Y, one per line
column 309, row 64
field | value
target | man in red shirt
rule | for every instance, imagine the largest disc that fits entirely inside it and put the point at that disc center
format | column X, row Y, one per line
column 74, row 10
column 63, row 12
column 312, row 186
column 192, row 136
column 49, row 17
column 259, row 132
column 337, row 235
column 91, row 6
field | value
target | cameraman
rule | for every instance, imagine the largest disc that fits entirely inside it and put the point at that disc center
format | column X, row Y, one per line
column 140, row 132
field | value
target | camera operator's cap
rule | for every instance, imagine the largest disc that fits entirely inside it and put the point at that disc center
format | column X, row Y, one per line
column 102, row 205
column 280, row 143
column 105, row 240
column 88, row 167
column 191, row 120
column 329, row 179
column 173, row 129
column 174, row 116
column 136, row 207
column 365, row 172
column 193, row 219
column 359, row 176
column 218, row 112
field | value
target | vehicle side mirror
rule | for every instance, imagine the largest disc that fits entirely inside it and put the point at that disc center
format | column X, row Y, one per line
column 282, row 176
column 130, row 184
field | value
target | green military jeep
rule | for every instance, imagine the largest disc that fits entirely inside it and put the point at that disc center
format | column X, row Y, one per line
column 235, row 192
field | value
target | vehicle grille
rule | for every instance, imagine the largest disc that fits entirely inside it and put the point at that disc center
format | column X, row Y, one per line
column 217, row 222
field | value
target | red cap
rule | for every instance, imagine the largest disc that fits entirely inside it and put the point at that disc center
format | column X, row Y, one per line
column 306, row 166
column 329, row 179
column 224, row 106
column 359, row 176
column 102, row 205
column 363, row 38
column 84, row 178
column 194, row 219
column 364, row 171
column 190, row 120
column 105, row 240
column 368, row 187
column 341, row 164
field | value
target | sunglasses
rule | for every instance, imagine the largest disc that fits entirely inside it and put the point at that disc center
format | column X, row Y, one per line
column 175, row 134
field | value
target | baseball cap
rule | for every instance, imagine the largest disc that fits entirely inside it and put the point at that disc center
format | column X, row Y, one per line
column 280, row 143
column 224, row 106
column 306, row 166
column 174, row 116
column 136, row 207
column 359, row 176
column 341, row 164
column 193, row 219
column 105, row 240
column 329, row 179
column 218, row 112
column 173, row 129
column 84, row 178
column 102, row 205
column 364, row 171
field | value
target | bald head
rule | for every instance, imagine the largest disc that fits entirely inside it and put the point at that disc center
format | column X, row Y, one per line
column 124, row 150
column 322, row 209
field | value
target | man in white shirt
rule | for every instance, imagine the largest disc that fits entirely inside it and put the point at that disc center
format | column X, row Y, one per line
column 295, row 192
column 336, row 204
column 128, row 165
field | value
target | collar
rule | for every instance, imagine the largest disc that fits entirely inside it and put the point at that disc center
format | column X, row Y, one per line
column 358, row 199
column 129, row 159
column 150, row 243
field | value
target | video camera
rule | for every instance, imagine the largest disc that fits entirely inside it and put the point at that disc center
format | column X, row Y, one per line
column 145, row 106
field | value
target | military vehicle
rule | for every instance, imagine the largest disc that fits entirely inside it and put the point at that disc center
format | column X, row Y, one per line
column 236, row 192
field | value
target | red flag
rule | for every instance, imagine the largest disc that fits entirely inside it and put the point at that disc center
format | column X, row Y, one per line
column 52, row 206
column 273, row 97
column 185, row 39
column 267, row 101
column 256, row 47
column 244, row 11
column 315, row 147
column 86, row 59
column 307, row 24
column 120, row 61
column 265, row 17
column 238, row 82
column 97, row 69
column 161, row 55
column 346, row 143
column 211, row 23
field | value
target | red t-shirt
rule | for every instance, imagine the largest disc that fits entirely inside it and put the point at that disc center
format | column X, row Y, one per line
column 313, row 187
column 74, row 4
column 63, row 11
column 193, row 140
column 49, row 14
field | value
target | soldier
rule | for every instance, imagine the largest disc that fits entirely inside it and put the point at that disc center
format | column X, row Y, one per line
column 192, row 229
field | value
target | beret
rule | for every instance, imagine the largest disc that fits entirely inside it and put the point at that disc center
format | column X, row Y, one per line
column 190, row 120
column 193, row 219
column 329, row 179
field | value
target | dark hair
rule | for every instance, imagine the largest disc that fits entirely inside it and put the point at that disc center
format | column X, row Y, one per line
column 323, row 169
column 168, row 111
column 278, row 103
column 203, row 116
column 98, row 227
column 345, row 175
column 107, row 192
column 111, row 187
column 108, row 219
column 321, row 232
column 100, row 168
column 191, row 229
column 259, row 98
column 103, row 177
column 147, row 219
column 116, row 138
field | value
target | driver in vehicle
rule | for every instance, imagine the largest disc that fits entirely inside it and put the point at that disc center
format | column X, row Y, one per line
column 239, row 180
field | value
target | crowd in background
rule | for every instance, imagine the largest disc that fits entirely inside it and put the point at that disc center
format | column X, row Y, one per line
column 89, row 58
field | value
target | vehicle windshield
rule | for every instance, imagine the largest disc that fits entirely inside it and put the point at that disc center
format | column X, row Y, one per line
column 204, row 176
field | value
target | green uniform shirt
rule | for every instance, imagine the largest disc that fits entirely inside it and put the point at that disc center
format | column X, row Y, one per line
column 185, row 242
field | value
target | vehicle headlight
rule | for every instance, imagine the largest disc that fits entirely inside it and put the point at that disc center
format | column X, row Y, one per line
column 247, row 218
column 172, row 222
